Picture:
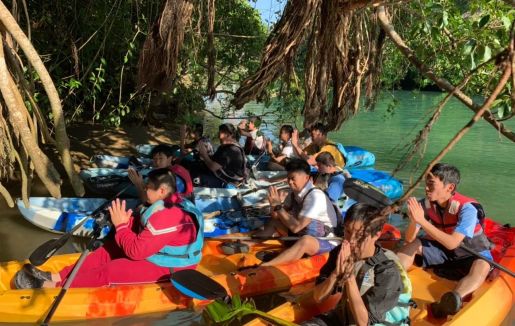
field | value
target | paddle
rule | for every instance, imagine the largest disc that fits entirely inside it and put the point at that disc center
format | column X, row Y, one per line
column 47, row 249
column 196, row 285
column 220, row 212
column 491, row 262
column 92, row 245
column 264, row 238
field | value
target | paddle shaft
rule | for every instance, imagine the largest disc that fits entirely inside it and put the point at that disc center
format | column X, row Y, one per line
column 491, row 262
column 245, row 193
column 220, row 212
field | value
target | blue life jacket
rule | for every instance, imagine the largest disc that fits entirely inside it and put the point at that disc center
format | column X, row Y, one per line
column 178, row 256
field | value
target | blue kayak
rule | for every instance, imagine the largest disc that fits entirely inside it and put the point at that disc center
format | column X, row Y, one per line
column 224, row 213
column 120, row 162
column 390, row 186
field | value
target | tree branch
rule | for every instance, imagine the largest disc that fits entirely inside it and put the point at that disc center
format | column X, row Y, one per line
column 441, row 82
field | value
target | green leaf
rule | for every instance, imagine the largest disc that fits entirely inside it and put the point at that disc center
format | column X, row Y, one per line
column 487, row 54
column 506, row 22
column 445, row 19
column 483, row 21
column 469, row 46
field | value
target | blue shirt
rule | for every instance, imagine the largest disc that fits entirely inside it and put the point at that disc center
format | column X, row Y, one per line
column 335, row 187
column 467, row 221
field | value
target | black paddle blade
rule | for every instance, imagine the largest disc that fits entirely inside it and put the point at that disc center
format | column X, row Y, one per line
column 196, row 285
column 47, row 249
column 364, row 192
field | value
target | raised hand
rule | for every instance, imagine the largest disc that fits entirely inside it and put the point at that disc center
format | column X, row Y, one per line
column 415, row 210
column 118, row 213
column 135, row 177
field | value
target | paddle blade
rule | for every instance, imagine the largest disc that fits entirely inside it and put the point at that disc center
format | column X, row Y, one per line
column 196, row 285
column 47, row 249
column 364, row 192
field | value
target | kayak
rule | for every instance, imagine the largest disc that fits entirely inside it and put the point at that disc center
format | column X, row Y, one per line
column 30, row 305
column 490, row 304
column 389, row 185
column 357, row 157
column 120, row 162
column 61, row 215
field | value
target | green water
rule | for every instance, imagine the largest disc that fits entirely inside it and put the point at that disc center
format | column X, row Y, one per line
column 485, row 157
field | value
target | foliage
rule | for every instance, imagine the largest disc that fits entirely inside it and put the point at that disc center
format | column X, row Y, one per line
column 222, row 313
column 92, row 52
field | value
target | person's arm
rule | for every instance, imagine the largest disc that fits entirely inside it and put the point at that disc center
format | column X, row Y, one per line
column 356, row 304
column 291, row 222
column 416, row 215
column 243, row 129
column 411, row 232
column 211, row 165
column 331, row 273
column 138, row 182
column 296, row 146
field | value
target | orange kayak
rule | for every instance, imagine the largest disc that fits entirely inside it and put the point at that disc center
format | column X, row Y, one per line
column 30, row 305
column 491, row 304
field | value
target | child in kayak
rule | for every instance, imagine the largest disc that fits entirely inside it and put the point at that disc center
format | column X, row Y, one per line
column 190, row 150
column 319, row 143
column 166, row 237
column 163, row 157
column 255, row 141
column 330, row 177
column 368, row 278
column 449, row 220
column 281, row 155
column 307, row 212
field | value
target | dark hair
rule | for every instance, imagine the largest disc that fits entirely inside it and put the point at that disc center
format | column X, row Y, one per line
column 298, row 165
column 371, row 217
column 320, row 127
column 162, row 176
column 227, row 128
column 446, row 173
column 197, row 128
column 287, row 129
column 256, row 120
column 164, row 149
column 325, row 158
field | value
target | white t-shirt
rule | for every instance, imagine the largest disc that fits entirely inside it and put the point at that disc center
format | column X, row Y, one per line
column 259, row 141
column 287, row 150
column 317, row 205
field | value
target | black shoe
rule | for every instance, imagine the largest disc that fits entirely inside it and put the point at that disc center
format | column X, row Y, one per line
column 37, row 273
column 450, row 304
column 23, row 280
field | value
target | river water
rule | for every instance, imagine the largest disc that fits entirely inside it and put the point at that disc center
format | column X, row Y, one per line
column 483, row 156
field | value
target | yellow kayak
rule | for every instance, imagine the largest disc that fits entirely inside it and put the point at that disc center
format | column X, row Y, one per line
column 490, row 304
column 31, row 305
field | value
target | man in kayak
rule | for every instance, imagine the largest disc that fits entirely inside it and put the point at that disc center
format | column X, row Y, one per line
column 449, row 220
column 307, row 213
column 255, row 141
column 162, row 157
column 319, row 143
column 369, row 279
column 284, row 152
column 196, row 133
column 226, row 166
column 166, row 237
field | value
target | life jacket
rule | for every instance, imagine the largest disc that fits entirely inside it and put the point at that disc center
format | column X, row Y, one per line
column 448, row 222
column 365, row 276
column 182, row 173
column 324, row 231
column 178, row 256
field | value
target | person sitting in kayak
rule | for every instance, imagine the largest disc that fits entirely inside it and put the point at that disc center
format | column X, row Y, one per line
column 449, row 219
column 330, row 177
column 166, row 237
column 226, row 166
column 196, row 133
column 369, row 279
column 281, row 155
column 255, row 141
column 319, row 143
column 163, row 157
column 307, row 212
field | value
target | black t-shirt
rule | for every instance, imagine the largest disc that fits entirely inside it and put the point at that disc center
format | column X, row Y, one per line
column 230, row 157
column 384, row 295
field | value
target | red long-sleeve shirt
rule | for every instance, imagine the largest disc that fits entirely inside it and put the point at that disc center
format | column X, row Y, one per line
column 170, row 226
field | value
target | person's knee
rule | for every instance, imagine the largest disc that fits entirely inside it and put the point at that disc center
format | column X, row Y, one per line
column 411, row 249
column 308, row 244
column 479, row 269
